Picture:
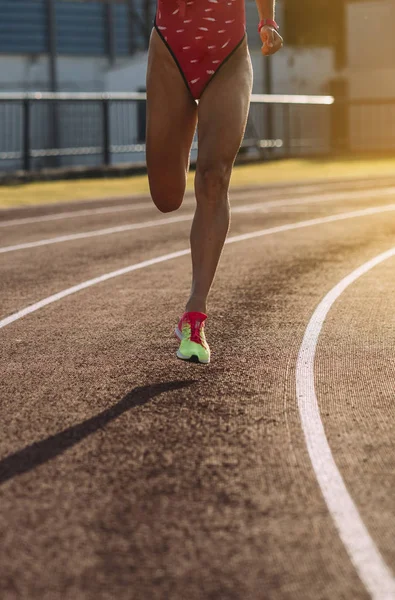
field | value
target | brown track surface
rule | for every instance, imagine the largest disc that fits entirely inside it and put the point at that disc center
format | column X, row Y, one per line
column 128, row 475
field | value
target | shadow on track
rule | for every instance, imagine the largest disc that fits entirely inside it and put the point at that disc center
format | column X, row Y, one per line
column 41, row 452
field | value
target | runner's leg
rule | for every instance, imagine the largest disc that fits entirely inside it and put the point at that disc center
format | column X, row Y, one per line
column 223, row 111
column 171, row 123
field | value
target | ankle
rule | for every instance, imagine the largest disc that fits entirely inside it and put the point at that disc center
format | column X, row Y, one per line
column 196, row 304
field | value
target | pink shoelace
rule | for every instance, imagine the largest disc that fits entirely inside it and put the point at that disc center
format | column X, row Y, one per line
column 195, row 332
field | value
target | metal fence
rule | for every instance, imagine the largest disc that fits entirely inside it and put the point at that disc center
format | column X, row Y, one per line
column 41, row 130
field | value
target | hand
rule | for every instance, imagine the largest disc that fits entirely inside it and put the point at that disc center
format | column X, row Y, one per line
column 271, row 40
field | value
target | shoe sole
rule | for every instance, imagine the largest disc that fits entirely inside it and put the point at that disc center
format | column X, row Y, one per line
column 193, row 359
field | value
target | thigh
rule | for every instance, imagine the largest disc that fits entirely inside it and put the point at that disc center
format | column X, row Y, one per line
column 171, row 123
column 223, row 111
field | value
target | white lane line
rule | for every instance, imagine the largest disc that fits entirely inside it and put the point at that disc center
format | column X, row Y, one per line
column 371, row 568
column 153, row 261
column 76, row 213
column 111, row 209
column 353, row 195
column 246, row 208
column 82, row 286
column 96, row 233
column 235, row 196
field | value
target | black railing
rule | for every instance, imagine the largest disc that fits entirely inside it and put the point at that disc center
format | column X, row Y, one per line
column 41, row 130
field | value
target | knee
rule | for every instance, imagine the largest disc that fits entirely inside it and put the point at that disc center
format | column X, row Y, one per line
column 212, row 181
column 166, row 200
column 166, row 206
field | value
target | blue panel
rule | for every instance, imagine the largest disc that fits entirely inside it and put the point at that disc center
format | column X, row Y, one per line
column 81, row 28
column 23, row 26
column 121, row 29
column 139, row 22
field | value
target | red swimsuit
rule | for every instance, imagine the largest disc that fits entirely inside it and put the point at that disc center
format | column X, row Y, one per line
column 201, row 35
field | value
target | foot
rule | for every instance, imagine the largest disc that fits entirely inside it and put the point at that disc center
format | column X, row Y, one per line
column 190, row 331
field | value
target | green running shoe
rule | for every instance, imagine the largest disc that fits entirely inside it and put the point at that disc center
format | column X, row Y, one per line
column 190, row 331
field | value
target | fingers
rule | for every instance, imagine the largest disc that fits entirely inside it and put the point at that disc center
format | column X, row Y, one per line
column 267, row 40
column 271, row 41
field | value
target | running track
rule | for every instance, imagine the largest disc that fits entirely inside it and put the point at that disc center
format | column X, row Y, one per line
column 269, row 474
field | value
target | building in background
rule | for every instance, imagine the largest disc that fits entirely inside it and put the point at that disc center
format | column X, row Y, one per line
column 371, row 49
column 340, row 47
column 293, row 70
column 101, row 46
column 370, row 73
column 90, row 38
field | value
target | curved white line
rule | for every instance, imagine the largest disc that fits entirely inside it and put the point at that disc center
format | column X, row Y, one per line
column 82, row 286
column 371, row 568
column 323, row 197
column 246, row 208
column 72, row 214
column 95, row 233
column 153, row 261
column 312, row 197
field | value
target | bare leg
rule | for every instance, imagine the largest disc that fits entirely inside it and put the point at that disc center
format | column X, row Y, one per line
column 171, row 124
column 223, row 111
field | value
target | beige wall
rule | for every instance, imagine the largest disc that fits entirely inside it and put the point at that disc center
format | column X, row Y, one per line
column 22, row 73
column 371, row 49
